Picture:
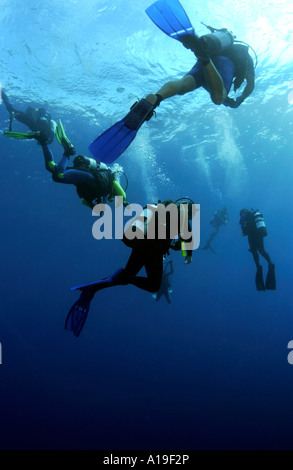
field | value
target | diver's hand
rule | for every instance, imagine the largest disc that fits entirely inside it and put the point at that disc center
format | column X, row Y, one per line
column 189, row 41
column 188, row 259
column 230, row 103
column 196, row 45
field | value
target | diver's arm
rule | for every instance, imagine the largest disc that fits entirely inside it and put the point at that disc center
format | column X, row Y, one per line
column 117, row 190
column 250, row 80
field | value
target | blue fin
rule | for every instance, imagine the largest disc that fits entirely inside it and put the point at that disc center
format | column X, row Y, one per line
column 170, row 17
column 78, row 313
column 112, row 143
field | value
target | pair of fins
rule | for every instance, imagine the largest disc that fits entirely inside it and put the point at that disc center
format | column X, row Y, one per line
column 171, row 18
column 270, row 283
column 78, row 313
column 59, row 132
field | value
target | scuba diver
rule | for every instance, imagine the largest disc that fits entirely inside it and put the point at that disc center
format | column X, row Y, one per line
column 221, row 62
column 165, row 288
column 220, row 218
column 36, row 119
column 146, row 252
column 253, row 226
column 94, row 181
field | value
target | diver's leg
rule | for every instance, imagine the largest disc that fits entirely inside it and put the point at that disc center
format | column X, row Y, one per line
column 76, row 177
column 127, row 275
column 263, row 252
column 174, row 87
column 7, row 103
column 215, row 85
column 144, row 254
column 24, row 118
column 154, row 269
column 255, row 255
column 49, row 159
column 167, row 295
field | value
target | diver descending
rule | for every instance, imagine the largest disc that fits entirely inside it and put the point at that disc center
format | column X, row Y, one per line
column 146, row 252
column 253, row 226
column 38, row 120
column 221, row 62
column 220, row 218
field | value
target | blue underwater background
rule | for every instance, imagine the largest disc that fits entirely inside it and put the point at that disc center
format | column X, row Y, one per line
column 209, row 371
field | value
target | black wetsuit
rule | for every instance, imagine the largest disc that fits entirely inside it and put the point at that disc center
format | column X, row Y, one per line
column 149, row 254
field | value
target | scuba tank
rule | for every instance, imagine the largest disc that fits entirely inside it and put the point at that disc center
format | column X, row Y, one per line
column 152, row 223
column 143, row 225
column 260, row 223
column 218, row 41
column 91, row 163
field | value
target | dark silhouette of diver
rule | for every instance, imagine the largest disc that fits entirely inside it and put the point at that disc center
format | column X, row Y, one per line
column 220, row 218
column 165, row 288
column 36, row 119
column 253, row 226
column 147, row 253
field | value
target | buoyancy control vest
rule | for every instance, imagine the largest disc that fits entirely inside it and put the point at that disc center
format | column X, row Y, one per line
column 94, row 192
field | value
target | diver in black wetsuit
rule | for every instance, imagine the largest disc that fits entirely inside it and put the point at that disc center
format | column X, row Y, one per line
column 220, row 218
column 165, row 288
column 36, row 119
column 253, row 226
column 146, row 252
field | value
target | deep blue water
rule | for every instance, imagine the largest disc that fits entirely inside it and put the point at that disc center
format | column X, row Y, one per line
column 209, row 371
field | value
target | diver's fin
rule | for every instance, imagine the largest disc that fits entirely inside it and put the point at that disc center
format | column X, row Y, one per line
column 78, row 313
column 271, row 279
column 170, row 17
column 259, row 283
column 22, row 135
column 103, row 283
column 63, row 139
column 112, row 143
